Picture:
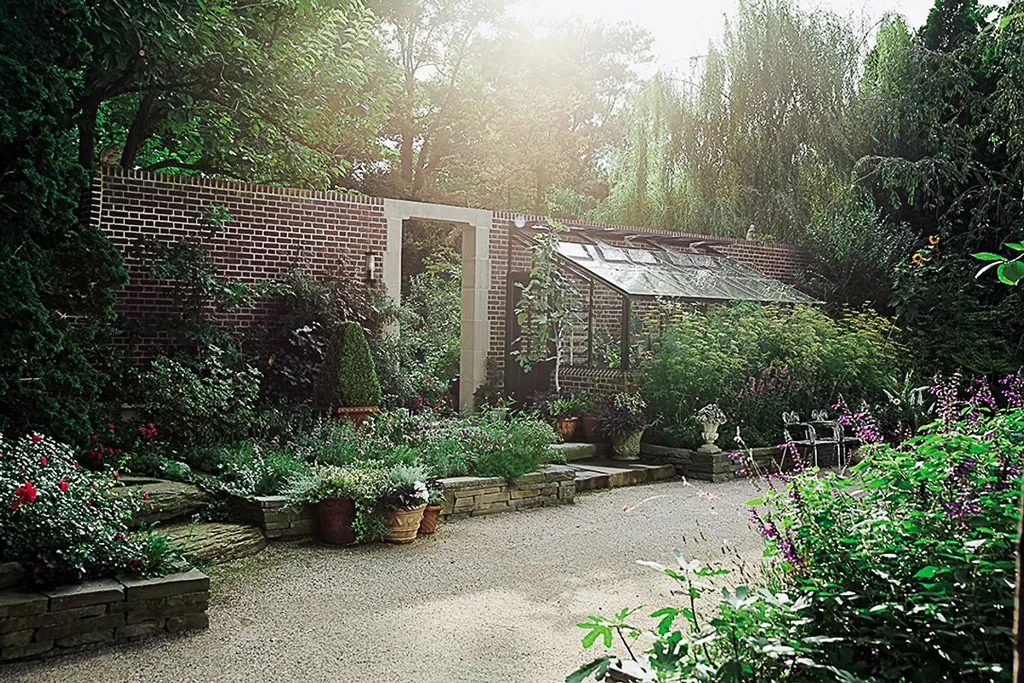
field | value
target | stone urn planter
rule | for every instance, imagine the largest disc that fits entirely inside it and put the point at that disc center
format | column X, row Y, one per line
column 709, row 431
column 428, row 524
column 336, row 518
column 710, row 418
column 403, row 525
column 628, row 447
column 566, row 427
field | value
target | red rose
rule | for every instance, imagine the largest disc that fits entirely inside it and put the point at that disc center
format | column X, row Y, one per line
column 64, row 484
column 43, row 460
column 111, row 426
column 15, row 504
column 26, row 493
column 117, row 476
column 36, row 438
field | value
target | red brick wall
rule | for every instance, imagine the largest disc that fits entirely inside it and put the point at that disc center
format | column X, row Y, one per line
column 272, row 231
column 275, row 230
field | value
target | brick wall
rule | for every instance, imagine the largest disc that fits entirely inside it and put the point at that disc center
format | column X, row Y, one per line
column 275, row 230
column 272, row 231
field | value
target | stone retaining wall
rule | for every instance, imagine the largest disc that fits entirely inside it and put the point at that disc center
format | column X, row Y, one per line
column 719, row 467
column 471, row 496
column 276, row 520
column 72, row 618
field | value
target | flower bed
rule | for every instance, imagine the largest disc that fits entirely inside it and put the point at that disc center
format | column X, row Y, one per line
column 56, row 622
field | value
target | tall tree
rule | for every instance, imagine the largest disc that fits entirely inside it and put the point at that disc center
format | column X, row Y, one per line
column 281, row 91
column 57, row 274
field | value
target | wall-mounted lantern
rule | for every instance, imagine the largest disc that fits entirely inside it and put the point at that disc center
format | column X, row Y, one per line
column 519, row 222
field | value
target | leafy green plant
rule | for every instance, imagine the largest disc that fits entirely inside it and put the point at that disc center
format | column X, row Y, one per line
column 348, row 378
column 364, row 483
column 209, row 402
column 917, row 544
column 63, row 522
column 406, row 489
column 1010, row 271
column 748, row 635
column 757, row 362
column 253, row 469
column 545, row 310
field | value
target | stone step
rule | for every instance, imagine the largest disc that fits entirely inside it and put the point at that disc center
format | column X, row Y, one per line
column 609, row 474
column 167, row 500
column 576, row 451
column 207, row 542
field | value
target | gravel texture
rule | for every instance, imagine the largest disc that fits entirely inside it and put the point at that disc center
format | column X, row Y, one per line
column 489, row 599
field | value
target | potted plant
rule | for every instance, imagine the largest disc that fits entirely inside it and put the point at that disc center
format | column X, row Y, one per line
column 403, row 502
column 710, row 418
column 623, row 421
column 433, row 510
column 341, row 495
column 347, row 381
column 564, row 413
column 587, row 426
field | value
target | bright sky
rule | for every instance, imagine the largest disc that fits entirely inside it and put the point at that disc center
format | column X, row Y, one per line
column 682, row 28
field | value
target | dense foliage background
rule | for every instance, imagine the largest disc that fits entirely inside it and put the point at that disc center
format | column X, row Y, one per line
column 891, row 154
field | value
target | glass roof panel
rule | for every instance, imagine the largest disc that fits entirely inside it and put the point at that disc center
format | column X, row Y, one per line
column 677, row 274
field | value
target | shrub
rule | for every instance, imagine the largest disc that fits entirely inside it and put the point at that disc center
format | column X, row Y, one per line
column 348, row 377
column 252, row 469
column 509, row 445
column 903, row 571
column 211, row 402
column 65, row 523
column 919, row 544
column 758, row 361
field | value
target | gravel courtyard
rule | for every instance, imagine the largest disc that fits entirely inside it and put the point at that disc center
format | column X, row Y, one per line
column 490, row 600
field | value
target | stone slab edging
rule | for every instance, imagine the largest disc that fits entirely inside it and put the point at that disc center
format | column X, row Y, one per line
column 471, row 496
column 36, row 624
column 720, row 467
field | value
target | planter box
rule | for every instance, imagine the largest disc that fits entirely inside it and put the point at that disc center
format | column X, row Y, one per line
column 472, row 496
column 276, row 520
column 72, row 618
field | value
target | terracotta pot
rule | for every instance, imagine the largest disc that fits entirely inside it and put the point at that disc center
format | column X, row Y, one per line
column 429, row 523
column 589, row 429
column 403, row 524
column 357, row 416
column 628, row 447
column 336, row 517
column 566, row 427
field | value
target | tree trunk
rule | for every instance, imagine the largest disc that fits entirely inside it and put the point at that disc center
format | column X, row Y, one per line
column 407, row 126
column 87, row 135
column 140, row 129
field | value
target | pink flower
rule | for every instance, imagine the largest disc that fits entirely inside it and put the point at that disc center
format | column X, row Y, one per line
column 36, row 438
column 64, row 484
column 43, row 460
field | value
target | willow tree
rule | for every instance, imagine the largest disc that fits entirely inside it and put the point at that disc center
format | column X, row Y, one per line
column 764, row 114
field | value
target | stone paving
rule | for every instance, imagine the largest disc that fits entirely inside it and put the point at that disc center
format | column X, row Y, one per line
column 489, row 599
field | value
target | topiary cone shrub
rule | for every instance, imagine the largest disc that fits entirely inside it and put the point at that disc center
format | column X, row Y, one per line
column 348, row 377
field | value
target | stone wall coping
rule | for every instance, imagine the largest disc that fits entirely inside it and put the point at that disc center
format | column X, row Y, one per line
column 456, row 483
column 98, row 591
column 654, row 449
column 270, row 501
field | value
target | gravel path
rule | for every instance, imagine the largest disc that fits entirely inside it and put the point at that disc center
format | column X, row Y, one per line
column 488, row 600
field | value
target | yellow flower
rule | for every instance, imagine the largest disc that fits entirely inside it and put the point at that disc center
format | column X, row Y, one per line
column 918, row 259
column 933, row 240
